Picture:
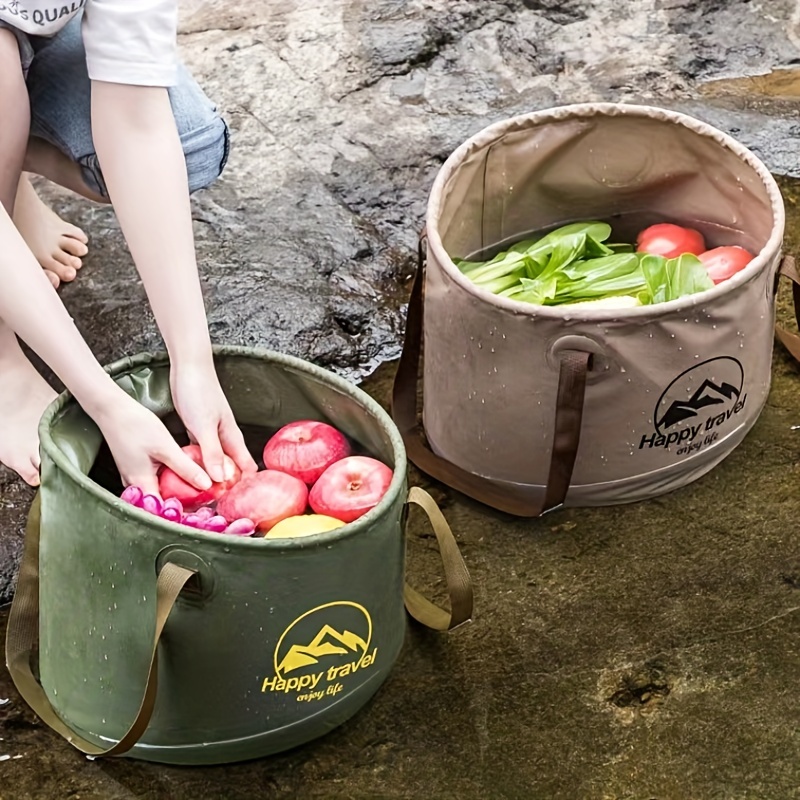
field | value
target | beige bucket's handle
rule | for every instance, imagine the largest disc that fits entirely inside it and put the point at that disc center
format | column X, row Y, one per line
column 791, row 341
column 23, row 636
column 573, row 367
column 459, row 584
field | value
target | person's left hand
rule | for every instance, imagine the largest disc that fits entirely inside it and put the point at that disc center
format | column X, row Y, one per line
column 207, row 416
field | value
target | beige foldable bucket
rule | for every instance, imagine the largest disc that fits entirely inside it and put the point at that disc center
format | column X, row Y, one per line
column 529, row 407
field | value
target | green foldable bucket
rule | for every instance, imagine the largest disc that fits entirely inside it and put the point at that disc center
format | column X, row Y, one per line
column 175, row 645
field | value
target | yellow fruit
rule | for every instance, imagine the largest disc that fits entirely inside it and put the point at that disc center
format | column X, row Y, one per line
column 303, row 525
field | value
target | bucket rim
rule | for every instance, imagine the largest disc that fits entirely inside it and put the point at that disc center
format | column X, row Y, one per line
column 484, row 137
column 159, row 359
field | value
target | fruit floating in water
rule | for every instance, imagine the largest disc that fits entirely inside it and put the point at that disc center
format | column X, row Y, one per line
column 266, row 497
column 170, row 485
column 305, row 449
column 303, row 525
column 350, row 488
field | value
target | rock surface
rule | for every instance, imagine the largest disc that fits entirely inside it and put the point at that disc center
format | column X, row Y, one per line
column 635, row 652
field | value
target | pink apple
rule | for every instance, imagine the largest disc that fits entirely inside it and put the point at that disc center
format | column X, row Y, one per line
column 266, row 497
column 305, row 449
column 350, row 487
column 170, row 485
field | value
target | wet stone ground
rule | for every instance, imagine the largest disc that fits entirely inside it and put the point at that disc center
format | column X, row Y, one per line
column 629, row 653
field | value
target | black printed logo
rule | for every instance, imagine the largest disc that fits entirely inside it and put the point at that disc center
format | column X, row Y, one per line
column 700, row 400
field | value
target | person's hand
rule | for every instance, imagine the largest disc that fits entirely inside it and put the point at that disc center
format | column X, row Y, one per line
column 140, row 444
column 207, row 416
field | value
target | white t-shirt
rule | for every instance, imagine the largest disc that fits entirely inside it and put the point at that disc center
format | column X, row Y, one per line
column 126, row 41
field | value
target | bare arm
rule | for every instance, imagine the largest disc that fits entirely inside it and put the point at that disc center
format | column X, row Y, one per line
column 144, row 168
column 145, row 172
column 31, row 307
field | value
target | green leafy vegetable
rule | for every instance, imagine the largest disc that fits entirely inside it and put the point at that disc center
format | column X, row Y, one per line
column 672, row 278
column 572, row 264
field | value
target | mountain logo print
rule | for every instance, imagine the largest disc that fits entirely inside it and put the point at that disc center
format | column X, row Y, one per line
column 322, row 638
column 327, row 642
column 708, row 394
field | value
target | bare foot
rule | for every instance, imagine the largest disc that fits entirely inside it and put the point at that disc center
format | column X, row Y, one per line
column 57, row 244
column 24, row 395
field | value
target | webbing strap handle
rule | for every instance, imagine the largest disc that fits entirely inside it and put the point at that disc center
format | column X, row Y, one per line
column 573, row 368
column 791, row 341
column 459, row 584
column 23, row 635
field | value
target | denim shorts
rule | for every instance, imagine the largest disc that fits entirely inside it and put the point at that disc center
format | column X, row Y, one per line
column 60, row 96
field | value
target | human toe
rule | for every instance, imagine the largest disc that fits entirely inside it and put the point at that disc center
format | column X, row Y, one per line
column 67, row 260
column 65, row 272
column 75, row 232
column 73, row 245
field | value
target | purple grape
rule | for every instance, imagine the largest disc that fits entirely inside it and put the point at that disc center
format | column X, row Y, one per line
column 173, row 503
column 241, row 527
column 215, row 524
column 152, row 504
column 133, row 495
column 171, row 514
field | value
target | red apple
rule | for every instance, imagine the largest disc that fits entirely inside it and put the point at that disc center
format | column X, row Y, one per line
column 670, row 241
column 724, row 262
column 305, row 449
column 170, row 485
column 266, row 497
column 350, row 487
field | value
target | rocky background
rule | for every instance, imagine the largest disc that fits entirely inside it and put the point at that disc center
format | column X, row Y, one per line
column 342, row 112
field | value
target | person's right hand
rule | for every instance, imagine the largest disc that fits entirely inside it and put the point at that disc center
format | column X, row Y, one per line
column 140, row 444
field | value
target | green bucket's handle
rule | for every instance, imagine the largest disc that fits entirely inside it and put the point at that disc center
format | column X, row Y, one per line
column 23, row 635
column 459, row 584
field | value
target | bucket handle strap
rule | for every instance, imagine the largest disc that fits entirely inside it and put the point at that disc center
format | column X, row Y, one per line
column 23, row 636
column 520, row 501
column 459, row 583
column 791, row 341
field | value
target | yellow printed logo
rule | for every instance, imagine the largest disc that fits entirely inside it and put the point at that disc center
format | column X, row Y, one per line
column 320, row 649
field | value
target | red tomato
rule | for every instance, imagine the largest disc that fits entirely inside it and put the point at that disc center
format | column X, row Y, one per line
column 668, row 240
column 723, row 262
